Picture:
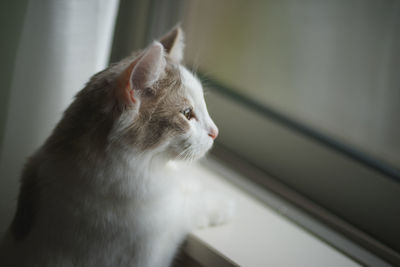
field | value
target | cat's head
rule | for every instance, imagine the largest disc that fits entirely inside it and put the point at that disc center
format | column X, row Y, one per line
column 160, row 104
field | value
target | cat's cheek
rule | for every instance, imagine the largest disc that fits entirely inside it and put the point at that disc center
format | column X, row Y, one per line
column 179, row 146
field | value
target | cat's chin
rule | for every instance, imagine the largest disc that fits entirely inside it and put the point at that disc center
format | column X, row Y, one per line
column 189, row 156
column 188, row 153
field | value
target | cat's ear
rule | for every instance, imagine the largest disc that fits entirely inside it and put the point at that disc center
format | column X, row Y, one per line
column 143, row 72
column 149, row 67
column 173, row 43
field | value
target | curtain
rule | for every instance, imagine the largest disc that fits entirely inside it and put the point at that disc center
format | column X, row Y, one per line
column 61, row 45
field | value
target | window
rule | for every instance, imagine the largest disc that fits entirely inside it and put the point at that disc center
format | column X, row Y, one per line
column 305, row 91
column 328, row 65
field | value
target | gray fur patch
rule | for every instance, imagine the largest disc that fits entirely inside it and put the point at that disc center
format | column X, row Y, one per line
column 25, row 215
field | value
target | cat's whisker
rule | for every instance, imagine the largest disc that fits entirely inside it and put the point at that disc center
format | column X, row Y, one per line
column 185, row 152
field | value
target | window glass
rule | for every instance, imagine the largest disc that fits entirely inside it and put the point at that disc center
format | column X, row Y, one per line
column 332, row 65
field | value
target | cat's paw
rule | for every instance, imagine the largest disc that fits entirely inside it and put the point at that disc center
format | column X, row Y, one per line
column 217, row 210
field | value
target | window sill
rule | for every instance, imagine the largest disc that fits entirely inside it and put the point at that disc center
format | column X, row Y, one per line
column 257, row 235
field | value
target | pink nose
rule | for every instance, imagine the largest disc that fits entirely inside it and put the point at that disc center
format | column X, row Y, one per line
column 213, row 133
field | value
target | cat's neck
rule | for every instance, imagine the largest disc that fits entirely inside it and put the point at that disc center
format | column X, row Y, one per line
column 132, row 174
column 117, row 169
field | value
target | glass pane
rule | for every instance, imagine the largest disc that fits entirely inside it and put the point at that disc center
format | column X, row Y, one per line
column 332, row 65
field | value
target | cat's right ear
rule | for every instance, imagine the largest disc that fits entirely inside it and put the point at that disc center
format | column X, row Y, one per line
column 142, row 73
column 173, row 43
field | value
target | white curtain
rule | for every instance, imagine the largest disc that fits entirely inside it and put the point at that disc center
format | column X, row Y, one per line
column 62, row 44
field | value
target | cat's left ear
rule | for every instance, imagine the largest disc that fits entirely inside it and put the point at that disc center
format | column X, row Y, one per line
column 173, row 43
column 142, row 73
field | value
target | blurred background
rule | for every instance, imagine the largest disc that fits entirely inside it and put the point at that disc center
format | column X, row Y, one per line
column 306, row 91
column 332, row 65
column 49, row 50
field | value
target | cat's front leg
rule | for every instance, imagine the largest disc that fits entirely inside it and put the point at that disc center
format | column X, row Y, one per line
column 206, row 208
column 215, row 209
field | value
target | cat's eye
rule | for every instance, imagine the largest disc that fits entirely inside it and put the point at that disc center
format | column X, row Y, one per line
column 188, row 113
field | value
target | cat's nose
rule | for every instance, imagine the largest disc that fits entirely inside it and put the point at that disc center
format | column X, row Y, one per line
column 213, row 133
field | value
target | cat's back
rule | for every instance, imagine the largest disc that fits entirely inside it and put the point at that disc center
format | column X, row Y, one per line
column 16, row 246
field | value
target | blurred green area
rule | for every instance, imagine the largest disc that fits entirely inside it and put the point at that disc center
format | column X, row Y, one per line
column 332, row 65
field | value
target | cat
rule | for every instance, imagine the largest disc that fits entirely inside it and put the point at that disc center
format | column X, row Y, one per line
column 99, row 191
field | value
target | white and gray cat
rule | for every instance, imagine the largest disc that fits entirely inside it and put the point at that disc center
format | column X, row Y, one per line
column 99, row 191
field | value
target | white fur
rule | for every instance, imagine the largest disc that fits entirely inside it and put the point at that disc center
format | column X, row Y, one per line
column 128, row 209
column 197, row 140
